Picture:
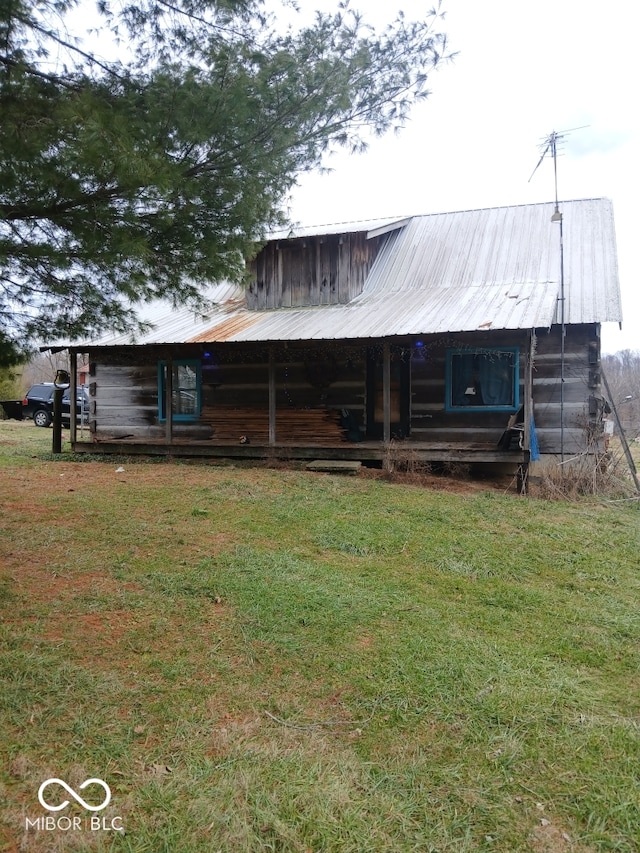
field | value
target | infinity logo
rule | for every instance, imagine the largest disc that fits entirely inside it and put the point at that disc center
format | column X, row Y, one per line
column 75, row 796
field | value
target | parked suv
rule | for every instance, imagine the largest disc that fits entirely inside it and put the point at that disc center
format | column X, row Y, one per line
column 38, row 404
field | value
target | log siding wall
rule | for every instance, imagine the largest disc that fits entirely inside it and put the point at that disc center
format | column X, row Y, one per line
column 430, row 422
column 582, row 384
column 315, row 384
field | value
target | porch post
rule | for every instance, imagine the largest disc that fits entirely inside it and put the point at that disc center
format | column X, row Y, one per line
column 73, row 395
column 272, row 397
column 523, row 477
column 386, row 392
column 168, row 400
column 528, row 391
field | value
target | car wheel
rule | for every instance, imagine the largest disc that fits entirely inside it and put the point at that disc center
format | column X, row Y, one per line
column 42, row 418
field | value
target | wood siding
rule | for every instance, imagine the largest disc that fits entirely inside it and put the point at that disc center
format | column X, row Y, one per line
column 321, row 392
column 313, row 387
column 582, row 384
column 430, row 422
column 327, row 270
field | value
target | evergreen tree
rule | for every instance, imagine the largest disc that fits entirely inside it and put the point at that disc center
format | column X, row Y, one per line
column 149, row 174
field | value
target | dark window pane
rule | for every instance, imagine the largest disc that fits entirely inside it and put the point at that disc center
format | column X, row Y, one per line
column 484, row 378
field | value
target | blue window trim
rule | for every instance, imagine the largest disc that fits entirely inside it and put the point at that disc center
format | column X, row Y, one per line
column 190, row 362
column 449, row 407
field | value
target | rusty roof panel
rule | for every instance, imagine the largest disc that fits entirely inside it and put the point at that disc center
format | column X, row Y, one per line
column 227, row 329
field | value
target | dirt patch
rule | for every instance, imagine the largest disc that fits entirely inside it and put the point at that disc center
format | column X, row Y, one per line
column 363, row 641
column 548, row 838
column 109, row 627
column 38, row 582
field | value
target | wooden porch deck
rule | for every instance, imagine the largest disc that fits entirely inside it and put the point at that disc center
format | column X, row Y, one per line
column 364, row 451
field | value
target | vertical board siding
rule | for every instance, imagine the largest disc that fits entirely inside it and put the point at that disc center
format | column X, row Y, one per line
column 328, row 270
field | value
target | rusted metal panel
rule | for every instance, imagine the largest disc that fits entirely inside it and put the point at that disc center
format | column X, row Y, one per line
column 225, row 330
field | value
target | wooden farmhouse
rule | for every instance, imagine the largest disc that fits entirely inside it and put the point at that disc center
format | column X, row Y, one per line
column 469, row 337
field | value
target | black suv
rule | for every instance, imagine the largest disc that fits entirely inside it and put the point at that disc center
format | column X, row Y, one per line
column 38, row 404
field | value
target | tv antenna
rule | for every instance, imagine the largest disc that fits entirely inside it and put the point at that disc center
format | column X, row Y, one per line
column 550, row 145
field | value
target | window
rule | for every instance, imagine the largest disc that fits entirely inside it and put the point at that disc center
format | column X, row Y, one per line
column 483, row 379
column 185, row 390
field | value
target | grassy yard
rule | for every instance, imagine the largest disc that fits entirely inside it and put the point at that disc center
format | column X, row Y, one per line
column 260, row 659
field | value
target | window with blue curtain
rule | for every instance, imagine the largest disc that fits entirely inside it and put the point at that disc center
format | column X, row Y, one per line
column 185, row 389
column 483, row 379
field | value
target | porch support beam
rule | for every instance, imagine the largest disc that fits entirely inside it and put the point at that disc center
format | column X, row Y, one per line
column 168, row 401
column 73, row 395
column 272, row 397
column 523, row 478
column 528, row 391
column 386, row 392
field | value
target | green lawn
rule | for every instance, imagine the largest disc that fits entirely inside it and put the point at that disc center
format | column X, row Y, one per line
column 260, row 659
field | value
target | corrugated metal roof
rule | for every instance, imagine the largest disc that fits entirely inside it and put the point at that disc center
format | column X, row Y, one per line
column 497, row 268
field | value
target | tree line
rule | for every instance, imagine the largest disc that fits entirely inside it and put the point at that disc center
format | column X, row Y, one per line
column 622, row 370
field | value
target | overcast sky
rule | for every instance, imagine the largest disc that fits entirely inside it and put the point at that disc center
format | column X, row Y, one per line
column 524, row 69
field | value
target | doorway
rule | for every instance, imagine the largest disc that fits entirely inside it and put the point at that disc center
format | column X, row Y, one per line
column 400, row 373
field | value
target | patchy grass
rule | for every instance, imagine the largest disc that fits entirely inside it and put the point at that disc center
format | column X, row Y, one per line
column 273, row 660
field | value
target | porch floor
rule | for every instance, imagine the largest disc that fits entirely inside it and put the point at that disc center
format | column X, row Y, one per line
column 364, row 451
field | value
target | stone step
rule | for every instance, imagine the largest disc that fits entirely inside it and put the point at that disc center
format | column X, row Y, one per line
column 334, row 466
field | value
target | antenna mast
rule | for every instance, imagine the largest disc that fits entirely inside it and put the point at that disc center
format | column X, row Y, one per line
column 550, row 146
column 557, row 217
